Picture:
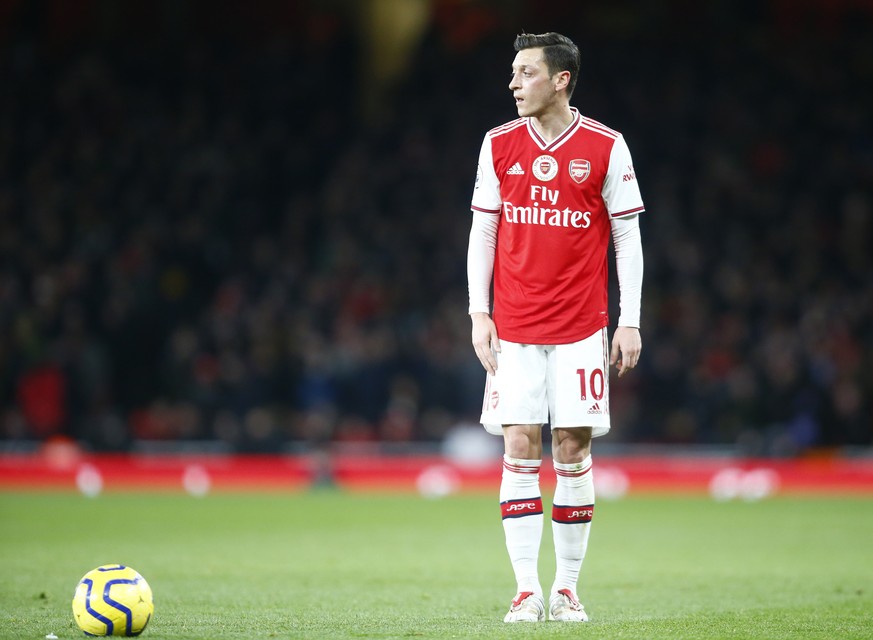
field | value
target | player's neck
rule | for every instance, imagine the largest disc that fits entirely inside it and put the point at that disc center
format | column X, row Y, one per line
column 553, row 122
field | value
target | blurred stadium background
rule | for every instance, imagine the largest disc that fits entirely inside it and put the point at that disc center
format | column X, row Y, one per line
column 240, row 227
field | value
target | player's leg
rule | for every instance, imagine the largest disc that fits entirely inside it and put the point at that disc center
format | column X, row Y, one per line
column 579, row 395
column 572, row 511
column 521, row 507
column 515, row 407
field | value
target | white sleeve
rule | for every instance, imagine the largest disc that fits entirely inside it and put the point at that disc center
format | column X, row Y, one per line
column 480, row 259
column 486, row 193
column 621, row 191
column 629, row 267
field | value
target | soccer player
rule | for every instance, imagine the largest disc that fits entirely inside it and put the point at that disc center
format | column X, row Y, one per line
column 552, row 188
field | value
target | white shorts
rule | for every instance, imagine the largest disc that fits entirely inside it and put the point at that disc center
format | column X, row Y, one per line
column 565, row 385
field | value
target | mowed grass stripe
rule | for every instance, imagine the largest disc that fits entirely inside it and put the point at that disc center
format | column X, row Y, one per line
column 331, row 565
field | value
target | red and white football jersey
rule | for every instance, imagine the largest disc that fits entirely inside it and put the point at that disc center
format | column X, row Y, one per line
column 555, row 200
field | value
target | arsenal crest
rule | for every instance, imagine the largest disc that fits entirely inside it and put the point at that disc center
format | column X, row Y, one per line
column 579, row 170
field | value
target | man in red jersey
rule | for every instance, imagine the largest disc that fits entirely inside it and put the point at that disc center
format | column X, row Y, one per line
column 552, row 188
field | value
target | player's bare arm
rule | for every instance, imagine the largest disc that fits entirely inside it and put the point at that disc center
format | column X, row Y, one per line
column 485, row 340
column 626, row 348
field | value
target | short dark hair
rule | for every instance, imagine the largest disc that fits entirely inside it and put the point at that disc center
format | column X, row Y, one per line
column 560, row 53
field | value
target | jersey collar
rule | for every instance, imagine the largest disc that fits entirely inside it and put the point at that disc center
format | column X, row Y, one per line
column 558, row 141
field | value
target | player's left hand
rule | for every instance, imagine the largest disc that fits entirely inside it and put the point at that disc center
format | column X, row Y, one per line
column 626, row 347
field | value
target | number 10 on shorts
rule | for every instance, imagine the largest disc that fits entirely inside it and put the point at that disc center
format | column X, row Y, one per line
column 593, row 384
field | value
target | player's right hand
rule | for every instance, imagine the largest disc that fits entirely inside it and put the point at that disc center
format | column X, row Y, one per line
column 485, row 341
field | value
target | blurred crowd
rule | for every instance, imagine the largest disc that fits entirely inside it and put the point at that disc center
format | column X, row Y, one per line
column 205, row 238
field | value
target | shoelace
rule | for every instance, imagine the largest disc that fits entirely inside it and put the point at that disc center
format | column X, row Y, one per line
column 570, row 601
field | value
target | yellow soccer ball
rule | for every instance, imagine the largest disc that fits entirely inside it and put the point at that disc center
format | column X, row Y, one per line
column 112, row 600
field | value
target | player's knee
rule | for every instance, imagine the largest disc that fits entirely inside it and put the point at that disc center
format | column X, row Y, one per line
column 571, row 445
column 524, row 443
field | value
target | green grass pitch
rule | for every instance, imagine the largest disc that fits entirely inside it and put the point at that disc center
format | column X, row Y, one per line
column 333, row 565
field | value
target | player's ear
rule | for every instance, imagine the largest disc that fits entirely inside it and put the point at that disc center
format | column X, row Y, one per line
column 562, row 80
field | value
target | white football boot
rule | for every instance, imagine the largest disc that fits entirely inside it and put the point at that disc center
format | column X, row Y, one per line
column 564, row 606
column 526, row 607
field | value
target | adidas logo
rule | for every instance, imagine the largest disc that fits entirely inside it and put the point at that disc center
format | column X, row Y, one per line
column 595, row 408
column 515, row 170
